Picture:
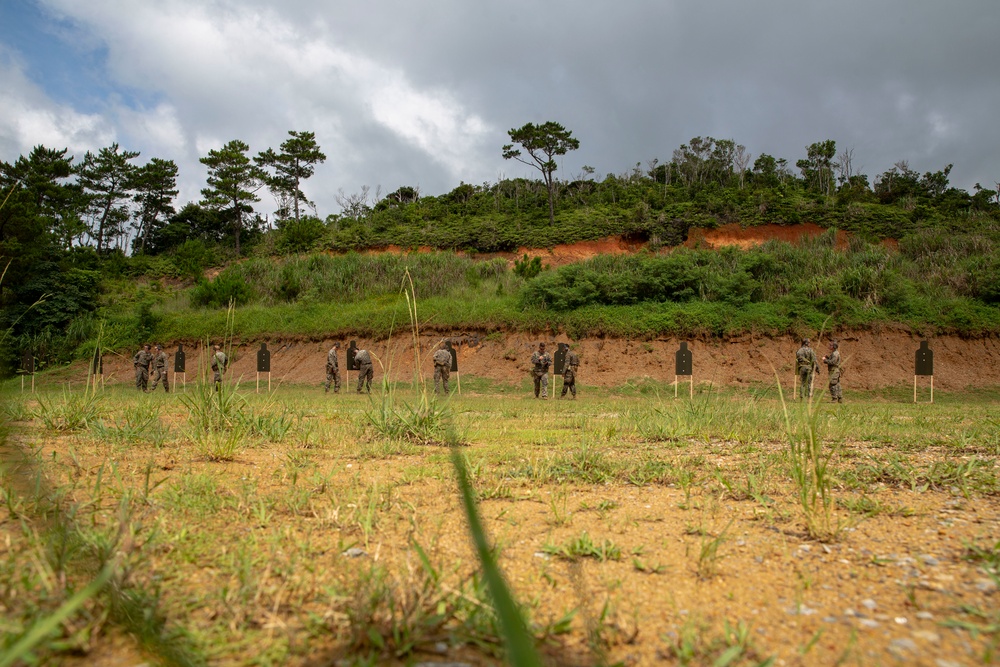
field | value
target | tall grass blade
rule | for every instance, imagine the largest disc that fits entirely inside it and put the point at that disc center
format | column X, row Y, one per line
column 519, row 643
column 45, row 626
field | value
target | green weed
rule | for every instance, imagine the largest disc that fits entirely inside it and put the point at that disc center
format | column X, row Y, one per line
column 584, row 546
column 73, row 411
column 809, row 464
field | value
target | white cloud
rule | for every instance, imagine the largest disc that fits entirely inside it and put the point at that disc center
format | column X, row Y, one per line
column 158, row 129
column 240, row 72
column 28, row 118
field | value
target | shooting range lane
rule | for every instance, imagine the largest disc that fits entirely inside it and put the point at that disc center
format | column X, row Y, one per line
column 870, row 360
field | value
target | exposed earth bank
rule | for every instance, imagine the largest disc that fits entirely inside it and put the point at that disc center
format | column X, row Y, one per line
column 871, row 360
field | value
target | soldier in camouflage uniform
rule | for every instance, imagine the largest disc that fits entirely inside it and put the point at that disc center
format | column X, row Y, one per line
column 569, row 373
column 141, row 362
column 540, row 362
column 160, row 369
column 832, row 362
column 363, row 362
column 332, row 369
column 219, row 363
column 442, row 369
column 806, row 365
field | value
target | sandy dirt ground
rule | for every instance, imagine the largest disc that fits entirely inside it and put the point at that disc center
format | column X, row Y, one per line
column 872, row 360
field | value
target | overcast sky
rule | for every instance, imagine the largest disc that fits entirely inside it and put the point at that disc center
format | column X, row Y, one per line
column 401, row 92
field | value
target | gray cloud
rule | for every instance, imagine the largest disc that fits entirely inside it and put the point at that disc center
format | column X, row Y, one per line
column 422, row 93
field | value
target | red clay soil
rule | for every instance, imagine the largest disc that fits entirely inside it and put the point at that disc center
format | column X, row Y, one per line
column 747, row 237
column 726, row 235
column 871, row 360
column 559, row 255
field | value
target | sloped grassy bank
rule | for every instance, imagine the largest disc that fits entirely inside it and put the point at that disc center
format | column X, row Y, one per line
column 932, row 284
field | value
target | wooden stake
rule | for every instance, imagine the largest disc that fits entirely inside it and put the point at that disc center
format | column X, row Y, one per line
column 915, row 389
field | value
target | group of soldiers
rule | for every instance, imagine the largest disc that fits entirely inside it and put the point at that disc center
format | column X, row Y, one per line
column 366, row 372
column 155, row 363
column 806, row 365
column 146, row 363
column 442, row 358
column 362, row 362
column 540, row 363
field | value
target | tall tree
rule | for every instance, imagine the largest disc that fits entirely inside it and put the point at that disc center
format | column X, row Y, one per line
column 817, row 168
column 39, row 201
column 50, row 279
column 296, row 162
column 542, row 143
column 233, row 181
column 155, row 187
column 106, row 179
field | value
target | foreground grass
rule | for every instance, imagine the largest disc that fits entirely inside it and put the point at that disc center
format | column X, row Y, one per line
column 244, row 559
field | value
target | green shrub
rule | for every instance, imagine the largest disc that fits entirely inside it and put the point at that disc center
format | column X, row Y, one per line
column 299, row 235
column 192, row 257
column 528, row 268
column 227, row 288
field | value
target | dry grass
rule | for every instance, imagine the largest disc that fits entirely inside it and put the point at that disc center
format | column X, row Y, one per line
column 624, row 527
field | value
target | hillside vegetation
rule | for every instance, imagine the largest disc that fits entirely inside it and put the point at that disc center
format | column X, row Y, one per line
column 70, row 284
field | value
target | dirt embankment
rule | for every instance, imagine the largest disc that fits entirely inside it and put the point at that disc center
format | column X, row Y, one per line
column 726, row 235
column 871, row 360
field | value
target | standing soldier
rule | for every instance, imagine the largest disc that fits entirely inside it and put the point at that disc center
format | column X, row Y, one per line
column 806, row 365
column 442, row 368
column 569, row 373
column 540, row 362
column 832, row 362
column 363, row 363
column 219, row 363
column 141, row 363
column 332, row 369
column 160, row 369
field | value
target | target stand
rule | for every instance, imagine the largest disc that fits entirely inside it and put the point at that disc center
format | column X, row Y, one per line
column 28, row 368
column 684, row 367
column 923, row 366
column 179, row 364
column 264, row 366
column 454, row 364
column 352, row 351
